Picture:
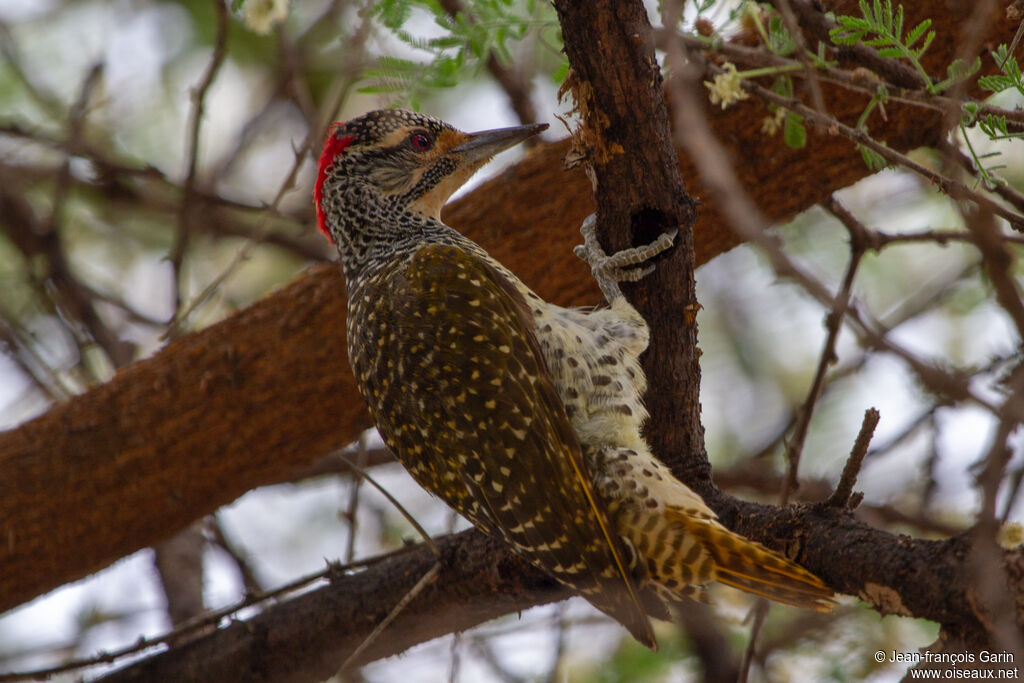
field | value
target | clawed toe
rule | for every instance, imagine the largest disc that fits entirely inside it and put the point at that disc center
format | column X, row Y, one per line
column 611, row 269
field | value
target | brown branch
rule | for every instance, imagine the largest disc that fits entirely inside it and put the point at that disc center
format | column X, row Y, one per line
column 179, row 566
column 619, row 95
column 844, row 489
column 999, row 262
column 268, row 390
column 482, row 580
column 308, row 637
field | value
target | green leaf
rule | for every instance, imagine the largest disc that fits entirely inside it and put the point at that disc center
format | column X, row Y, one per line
column 889, row 52
column 779, row 40
column 994, row 126
column 958, row 71
column 880, row 27
column 996, row 83
column 872, row 159
column 561, row 72
column 916, row 32
column 927, row 42
column 794, row 131
column 1011, row 74
column 865, row 8
column 840, row 37
column 879, row 16
column 783, row 85
column 393, row 13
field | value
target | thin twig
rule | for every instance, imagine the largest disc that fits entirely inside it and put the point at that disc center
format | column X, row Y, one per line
column 844, row 489
column 949, row 186
column 999, row 263
column 46, row 100
column 909, row 430
column 202, row 622
column 934, row 456
column 760, row 611
column 694, row 134
column 1016, row 479
column 386, row 621
column 415, row 590
column 868, row 83
column 454, row 660
column 76, row 122
column 879, row 239
column 73, row 298
column 28, row 358
column 834, row 323
column 486, row 653
column 263, row 228
column 793, row 28
column 332, row 463
column 293, row 80
column 398, row 506
column 353, row 501
column 1001, row 188
column 177, row 254
column 561, row 633
column 988, row 562
column 253, row 586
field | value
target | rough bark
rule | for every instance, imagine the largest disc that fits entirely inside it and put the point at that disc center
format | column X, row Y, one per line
column 245, row 402
column 619, row 93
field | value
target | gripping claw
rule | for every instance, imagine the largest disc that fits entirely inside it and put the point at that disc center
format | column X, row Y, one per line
column 610, row 270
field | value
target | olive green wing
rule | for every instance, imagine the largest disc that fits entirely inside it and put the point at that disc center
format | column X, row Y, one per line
column 465, row 400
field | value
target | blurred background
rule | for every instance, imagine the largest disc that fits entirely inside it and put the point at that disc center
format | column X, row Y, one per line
column 101, row 150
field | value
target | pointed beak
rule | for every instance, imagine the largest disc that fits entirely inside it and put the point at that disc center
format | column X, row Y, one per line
column 487, row 143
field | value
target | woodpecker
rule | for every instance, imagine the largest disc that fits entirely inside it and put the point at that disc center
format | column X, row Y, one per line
column 524, row 416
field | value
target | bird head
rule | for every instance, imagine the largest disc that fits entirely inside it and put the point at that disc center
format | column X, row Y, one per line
column 398, row 164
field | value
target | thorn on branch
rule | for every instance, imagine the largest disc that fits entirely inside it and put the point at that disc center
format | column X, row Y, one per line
column 843, row 496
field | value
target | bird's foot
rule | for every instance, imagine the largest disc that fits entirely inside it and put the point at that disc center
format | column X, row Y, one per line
column 611, row 269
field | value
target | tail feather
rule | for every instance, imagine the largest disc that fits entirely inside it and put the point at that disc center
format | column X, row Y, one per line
column 751, row 567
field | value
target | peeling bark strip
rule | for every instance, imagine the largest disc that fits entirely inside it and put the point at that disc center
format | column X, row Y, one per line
column 247, row 401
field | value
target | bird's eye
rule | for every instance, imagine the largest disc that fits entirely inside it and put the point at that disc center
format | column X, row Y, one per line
column 420, row 142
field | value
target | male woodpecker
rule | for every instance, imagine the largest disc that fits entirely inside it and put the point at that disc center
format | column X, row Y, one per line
column 522, row 415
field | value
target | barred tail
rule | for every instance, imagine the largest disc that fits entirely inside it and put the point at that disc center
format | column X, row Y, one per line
column 749, row 566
